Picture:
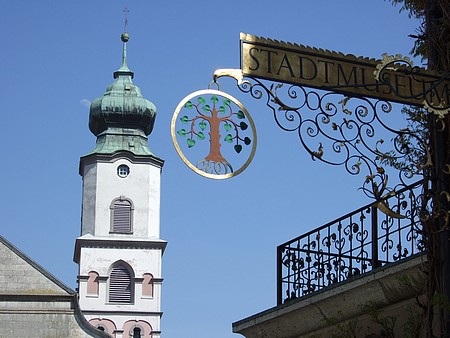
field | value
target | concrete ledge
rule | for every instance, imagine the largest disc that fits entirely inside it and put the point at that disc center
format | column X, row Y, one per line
column 385, row 286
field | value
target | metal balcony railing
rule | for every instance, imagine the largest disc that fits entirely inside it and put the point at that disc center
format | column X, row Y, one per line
column 351, row 245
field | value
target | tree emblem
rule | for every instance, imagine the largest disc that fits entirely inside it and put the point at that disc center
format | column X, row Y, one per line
column 214, row 116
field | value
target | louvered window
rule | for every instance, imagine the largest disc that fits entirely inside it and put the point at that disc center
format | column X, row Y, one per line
column 120, row 288
column 121, row 216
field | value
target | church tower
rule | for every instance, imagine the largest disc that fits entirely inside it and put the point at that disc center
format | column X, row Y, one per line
column 119, row 251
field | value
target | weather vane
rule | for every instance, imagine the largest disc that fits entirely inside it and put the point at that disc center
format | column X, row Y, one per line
column 216, row 133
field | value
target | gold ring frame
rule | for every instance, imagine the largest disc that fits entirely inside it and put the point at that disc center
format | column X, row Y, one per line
column 213, row 92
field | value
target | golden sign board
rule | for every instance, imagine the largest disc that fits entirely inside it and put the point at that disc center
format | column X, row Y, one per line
column 344, row 74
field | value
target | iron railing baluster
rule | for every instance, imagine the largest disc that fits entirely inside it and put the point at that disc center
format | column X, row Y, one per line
column 336, row 251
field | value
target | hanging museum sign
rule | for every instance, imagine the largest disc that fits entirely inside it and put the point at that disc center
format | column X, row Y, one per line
column 215, row 135
column 392, row 78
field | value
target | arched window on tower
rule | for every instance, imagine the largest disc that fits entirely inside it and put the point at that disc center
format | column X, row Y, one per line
column 147, row 285
column 137, row 328
column 92, row 283
column 136, row 332
column 120, row 284
column 121, row 215
column 104, row 325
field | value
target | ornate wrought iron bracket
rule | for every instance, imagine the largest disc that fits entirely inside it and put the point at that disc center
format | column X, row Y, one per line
column 343, row 130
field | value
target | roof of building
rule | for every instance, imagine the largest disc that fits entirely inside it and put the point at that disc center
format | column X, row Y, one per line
column 14, row 261
column 33, row 300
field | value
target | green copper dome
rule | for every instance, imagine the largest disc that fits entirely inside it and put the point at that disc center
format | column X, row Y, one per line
column 122, row 116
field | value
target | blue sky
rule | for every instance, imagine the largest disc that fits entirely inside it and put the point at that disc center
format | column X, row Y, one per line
column 220, row 263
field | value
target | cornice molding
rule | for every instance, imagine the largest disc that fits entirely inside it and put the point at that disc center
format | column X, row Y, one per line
column 123, row 154
column 116, row 243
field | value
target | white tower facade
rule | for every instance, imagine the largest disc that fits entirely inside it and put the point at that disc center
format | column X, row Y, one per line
column 119, row 252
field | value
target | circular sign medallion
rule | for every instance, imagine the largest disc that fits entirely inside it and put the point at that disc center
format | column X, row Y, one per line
column 213, row 134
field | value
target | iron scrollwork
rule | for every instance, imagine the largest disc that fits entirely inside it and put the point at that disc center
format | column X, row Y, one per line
column 341, row 130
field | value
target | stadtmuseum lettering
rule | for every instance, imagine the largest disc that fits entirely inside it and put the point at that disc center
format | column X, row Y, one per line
column 345, row 74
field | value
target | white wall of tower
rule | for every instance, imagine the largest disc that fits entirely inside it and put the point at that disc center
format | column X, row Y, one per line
column 101, row 185
column 101, row 260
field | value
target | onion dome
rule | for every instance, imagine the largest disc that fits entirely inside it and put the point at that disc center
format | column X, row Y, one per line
column 122, row 116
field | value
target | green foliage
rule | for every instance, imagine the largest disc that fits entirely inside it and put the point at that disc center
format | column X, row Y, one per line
column 200, row 122
column 184, row 119
column 190, row 142
column 414, row 324
column 415, row 9
column 410, row 153
column 432, row 37
column 214, row 99
column 387, row 323
column 343, row 329
column 441, row 301
column 229, row 138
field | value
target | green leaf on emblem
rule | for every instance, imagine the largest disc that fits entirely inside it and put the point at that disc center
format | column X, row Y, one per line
column 202, row 125
column 229, row 138
column 200, row 135
column 240, row 114
column 181, row 132
column 226, row 102
column 222, row 109
column 184, row 119
column 227, row 126
column 188, row 105
column 206, row 108
column 214, row 99
column 190, row 142
column 201, row 100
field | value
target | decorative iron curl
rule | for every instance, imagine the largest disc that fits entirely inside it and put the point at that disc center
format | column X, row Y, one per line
column 341, row 130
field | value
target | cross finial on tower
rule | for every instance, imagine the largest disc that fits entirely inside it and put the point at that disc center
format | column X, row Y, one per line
column 126, row 11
